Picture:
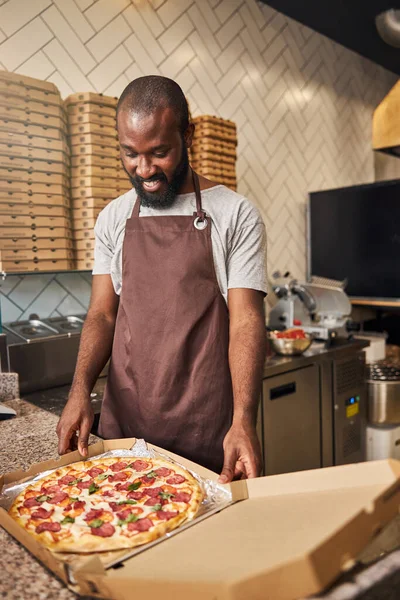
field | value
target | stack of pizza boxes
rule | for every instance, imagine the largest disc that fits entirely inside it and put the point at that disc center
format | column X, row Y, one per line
column 97, row 176
column 213, row 152
column 35, row 224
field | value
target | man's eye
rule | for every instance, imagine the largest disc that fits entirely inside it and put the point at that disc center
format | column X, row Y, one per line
column 131, row 154
column 160, row 154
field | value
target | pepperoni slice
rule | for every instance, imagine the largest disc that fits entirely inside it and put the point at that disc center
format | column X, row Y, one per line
column 31, row 502
column 114, row 506
column 176, row 479
column 66, row 479
column 147, row 480
column 163, row 472
column 105, row 530
column 79, row 504
column 165, row 515
column 122, row 486
column 152, row 501
column 94, row 513
column 48, row 526
column 42, row 513
column 140, row 465
column 135, row 495
column 152, row 492
column 94, row 471
column 118, row 466
column 124, row 514
column 110, row 492
column 121, row 476
column 53, row 489
column 84, row 485
column 141, row 525
column 57, row 498
column 68, row 507
column 181, row 497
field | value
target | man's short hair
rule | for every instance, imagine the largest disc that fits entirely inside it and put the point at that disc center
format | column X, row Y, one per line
column 146, row 94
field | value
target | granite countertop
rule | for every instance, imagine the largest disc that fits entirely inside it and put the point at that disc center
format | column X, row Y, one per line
column 31, row 438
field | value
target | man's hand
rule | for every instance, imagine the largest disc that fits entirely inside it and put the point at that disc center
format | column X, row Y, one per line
column 242, row 453
column 77, row 416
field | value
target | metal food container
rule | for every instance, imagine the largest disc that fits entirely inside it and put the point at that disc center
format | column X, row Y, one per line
column 287, row 346
column 384, row 393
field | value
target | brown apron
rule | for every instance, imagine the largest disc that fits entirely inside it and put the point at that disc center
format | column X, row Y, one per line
column 169, row 380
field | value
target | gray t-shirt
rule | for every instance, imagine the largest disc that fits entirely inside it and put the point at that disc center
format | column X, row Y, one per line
column 237, row 233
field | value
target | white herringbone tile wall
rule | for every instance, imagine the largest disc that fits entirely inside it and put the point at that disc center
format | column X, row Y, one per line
column 302, row 104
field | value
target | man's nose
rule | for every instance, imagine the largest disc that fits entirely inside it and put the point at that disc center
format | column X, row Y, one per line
column 145, row 169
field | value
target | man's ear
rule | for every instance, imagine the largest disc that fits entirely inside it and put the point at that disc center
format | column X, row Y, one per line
column 188, row 136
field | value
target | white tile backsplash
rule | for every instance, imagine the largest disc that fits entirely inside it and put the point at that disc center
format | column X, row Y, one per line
column 302, row 104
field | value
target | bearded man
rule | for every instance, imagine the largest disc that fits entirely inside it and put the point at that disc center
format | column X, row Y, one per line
column 177, row 300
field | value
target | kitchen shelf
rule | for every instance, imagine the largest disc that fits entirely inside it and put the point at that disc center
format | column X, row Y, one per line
column 55, row 272
column 383, row 303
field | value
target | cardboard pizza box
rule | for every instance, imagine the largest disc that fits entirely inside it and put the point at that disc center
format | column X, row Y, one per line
column 283, row 537
column 35, row 233
column 93, row 160
column 29, row 82
column 27, row 128
column 95, row 128
column 41, row 243
column 90, row 97
column 106, row 182
column 24, row 266
column 32, row 141
column 88, row 108
column 89, row 171
column 110, row 193
column 37, row 253
column 91, row 118
column 84, row 234
column 110, row 141
column 21, row 175
column 34, row 221
column 32, row 153
column 87, row 244
column 28, row 198
column 84, row 213
column 12, row 113
column 91, row 149
column 79, row 203
column 85, row 264
column 25, row 187
column 32, row 105
column 85, row 255
column 34, row 210
column 31, row 165
column 86, row 224
column 14, row 89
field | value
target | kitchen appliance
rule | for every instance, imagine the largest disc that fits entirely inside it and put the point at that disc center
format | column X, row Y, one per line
column 44, row 352
column 313, row 409
column 383, row 442
column 320, row 308
column 384, row 393
column 30, row 330
column 67, row 325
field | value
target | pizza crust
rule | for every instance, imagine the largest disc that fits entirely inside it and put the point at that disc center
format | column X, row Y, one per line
column 68, row 540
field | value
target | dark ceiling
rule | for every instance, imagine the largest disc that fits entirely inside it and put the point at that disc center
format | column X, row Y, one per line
column 349, row 22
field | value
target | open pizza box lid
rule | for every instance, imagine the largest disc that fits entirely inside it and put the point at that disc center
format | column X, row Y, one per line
column 284, row 537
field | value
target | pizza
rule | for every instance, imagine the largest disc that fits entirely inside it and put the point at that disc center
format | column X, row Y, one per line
column 107, row 504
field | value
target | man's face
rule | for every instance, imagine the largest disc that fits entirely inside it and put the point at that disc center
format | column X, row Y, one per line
column 154, row 155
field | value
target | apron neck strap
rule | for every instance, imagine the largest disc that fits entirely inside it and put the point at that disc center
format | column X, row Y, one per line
column 199, row 210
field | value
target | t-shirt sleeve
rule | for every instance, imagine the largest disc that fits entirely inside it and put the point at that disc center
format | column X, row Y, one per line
column 247, row 257
column 103, row 248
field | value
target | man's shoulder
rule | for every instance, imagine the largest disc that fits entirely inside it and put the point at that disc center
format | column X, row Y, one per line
column 223, row 201
column 117, row 211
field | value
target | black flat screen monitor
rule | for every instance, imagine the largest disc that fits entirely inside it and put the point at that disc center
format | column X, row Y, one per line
column 354, row 234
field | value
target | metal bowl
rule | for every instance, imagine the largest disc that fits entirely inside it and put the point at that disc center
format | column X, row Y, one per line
column 288, row 347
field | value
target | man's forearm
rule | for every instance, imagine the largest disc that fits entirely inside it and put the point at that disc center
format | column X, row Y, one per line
column 94, row 351
column 247, row 350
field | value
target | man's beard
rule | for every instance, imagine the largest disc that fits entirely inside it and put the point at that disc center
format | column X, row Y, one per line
column 163, row 199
